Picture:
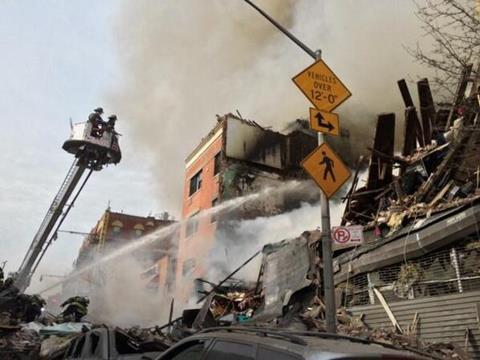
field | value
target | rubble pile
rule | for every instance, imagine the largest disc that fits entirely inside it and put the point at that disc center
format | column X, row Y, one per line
column 438, row 169
column 350, row 325
column 15, row 341
column 150, row 339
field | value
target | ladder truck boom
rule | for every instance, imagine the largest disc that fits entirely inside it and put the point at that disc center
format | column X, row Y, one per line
column 94, row 145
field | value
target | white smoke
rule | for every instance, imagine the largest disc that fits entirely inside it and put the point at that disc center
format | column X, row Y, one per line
column 185, row 61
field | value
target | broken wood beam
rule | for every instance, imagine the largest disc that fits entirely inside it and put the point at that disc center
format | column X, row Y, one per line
column 413, row 126
column 387, row 309
column 433, row 181
column 380, row 171
column 392, row 159
column 427, row 110
column 441, row 194
column 407, row 98
column 459, row 94
column 410, row 133
column 353, row 187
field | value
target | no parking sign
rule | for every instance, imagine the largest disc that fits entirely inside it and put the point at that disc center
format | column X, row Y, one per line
column 347, row 235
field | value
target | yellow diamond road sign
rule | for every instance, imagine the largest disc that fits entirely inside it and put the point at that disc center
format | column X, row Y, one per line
column 324, row 122
column 327, row 169
column 321, row 86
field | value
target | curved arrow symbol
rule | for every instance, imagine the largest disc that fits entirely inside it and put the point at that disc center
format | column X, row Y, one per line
column 327, row 124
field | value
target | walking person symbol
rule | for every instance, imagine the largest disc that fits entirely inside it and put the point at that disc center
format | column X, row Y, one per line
column 329, row 165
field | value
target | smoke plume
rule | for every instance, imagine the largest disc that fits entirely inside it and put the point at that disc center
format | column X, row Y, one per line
column 185, row 61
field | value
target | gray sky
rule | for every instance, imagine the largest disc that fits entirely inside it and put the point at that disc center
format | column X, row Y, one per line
column 57, row 62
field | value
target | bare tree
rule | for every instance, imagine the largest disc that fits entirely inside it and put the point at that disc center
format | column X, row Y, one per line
column 454, row 28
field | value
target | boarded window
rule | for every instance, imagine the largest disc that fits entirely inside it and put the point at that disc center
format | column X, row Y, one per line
column 195, row 183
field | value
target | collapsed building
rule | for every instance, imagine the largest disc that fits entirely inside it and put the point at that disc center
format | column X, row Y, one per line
column 236, row 158
column 419, row 211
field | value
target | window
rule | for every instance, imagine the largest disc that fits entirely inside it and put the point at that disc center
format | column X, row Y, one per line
column 195, row 183
column 94, row 339
column 190, row 351
column 213, row 217
column 139, row 229
column 117, row 226
column 79, row 347
column 231, row 350
column 188, row 267
column 267, row 354
column 192, row 226
column 217, row 164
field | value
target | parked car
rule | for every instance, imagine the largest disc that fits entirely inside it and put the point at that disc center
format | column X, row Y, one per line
column 245, row 343
column 105, row 343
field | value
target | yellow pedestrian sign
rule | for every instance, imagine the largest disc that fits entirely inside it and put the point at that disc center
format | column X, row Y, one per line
column 321, row 86
column 327, row 169
column 324, row 122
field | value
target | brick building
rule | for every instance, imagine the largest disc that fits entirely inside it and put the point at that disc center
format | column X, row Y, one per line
column 114, row 230
column 236, row 158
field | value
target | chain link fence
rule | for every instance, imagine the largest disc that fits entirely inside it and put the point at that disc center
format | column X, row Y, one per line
column 454, row 269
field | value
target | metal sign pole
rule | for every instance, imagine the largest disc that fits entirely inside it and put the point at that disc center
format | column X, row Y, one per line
column 327, row 260
column 327, row 254
column 328, row 286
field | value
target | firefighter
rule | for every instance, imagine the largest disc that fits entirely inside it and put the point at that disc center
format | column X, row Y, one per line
column 33, row 308
column 97, row 122
column 75, row 308
column 111, row 122
column 1, row 277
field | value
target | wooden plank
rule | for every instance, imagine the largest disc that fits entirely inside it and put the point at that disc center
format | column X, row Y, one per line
column 407, row 98
column 427, row 109
column 459, row 94
column 440, row 194
column 389, row 312
column 383, row 142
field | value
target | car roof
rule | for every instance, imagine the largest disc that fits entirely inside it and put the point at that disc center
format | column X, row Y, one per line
column 304, row 343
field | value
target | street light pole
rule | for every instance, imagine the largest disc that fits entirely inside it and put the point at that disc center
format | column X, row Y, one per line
column 327, row 254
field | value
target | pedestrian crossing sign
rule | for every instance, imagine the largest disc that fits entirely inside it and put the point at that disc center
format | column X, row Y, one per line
column 327, row 169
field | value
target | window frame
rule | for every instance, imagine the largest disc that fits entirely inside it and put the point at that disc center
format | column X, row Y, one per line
column 198, row 183
column 192, row 225
column 217, row 163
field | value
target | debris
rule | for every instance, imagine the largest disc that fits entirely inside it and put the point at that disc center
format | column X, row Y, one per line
column 389, row 312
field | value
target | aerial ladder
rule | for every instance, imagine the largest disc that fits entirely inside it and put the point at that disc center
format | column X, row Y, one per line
column 94, row 145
